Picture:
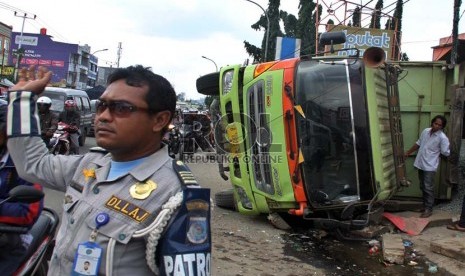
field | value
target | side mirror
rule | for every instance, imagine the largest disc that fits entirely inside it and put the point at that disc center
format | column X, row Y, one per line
column 25, row 194
column 331, row 38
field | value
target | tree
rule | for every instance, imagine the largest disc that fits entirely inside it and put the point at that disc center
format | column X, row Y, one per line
column 290, row 23
column 356, row 16
column 272, row 33
column 181, row 96
column 306, row 27
column 376, row 15
column 397, row 16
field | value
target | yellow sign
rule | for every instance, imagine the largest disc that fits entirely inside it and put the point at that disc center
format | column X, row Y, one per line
column 127, row 208
column 7, row 70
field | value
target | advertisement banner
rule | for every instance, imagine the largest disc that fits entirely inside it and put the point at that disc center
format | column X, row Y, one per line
column 364, row 38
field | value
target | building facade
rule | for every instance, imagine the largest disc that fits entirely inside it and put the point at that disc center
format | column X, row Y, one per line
column 72, row 65
column 5, row 44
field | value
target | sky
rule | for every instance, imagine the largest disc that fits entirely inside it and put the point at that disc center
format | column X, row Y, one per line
column 171, row 36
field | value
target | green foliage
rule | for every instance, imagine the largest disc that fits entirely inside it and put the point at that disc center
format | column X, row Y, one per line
column 290, row 23
column 397, row 15
column 253, row 51
column 302, row 27
column 306, row 27
column 181, row 96
column 356, row 17
column 376, row 15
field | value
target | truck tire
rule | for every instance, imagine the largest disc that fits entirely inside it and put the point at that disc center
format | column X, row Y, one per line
column 225, row 199
column 209, row 84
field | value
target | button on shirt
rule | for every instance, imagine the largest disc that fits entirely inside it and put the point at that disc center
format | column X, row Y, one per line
column 431, row 145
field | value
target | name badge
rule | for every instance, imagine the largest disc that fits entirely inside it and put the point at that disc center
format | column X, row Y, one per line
column 87, row 259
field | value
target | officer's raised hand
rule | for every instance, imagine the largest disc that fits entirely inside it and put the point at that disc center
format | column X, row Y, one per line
column 30, row 79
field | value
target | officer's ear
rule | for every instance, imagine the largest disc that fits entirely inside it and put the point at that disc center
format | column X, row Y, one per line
column 161, row 120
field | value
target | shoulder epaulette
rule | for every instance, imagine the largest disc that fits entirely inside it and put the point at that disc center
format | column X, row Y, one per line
column 184, row 173
column 98, row 149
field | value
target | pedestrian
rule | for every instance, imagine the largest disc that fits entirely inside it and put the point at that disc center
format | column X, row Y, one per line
column 127, row 203
column 13, row 246
column 48, row 119
column 432, row 143
column 71, row 116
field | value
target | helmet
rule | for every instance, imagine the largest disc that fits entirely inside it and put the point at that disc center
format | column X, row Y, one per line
column 70, row 103
column 44, row 100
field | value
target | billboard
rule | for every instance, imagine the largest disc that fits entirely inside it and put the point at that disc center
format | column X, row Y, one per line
column 41, row 50
column 364, row 38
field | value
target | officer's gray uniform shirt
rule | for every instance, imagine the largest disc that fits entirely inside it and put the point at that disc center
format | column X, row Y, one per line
column 87, row 193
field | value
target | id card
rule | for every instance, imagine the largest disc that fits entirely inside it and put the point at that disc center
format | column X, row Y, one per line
column 87, row 259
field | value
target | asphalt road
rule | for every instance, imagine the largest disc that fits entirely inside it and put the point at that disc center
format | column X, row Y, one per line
column 250, row 245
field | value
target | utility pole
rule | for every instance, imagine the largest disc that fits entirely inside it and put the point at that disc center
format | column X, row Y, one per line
column 18, row 51
column 455, row 40
column 119, row 54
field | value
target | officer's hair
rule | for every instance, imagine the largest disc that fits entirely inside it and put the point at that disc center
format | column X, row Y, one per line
column 442, row 118
column 161, row 95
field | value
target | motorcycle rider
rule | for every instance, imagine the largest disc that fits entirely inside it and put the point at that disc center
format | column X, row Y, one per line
column 48, row 119
column 71, row 116
column 13, row 246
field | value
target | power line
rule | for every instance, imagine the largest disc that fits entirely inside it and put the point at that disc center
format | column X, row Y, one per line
column 34, row 24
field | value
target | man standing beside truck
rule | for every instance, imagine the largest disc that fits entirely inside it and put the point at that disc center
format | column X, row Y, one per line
column 432, row 142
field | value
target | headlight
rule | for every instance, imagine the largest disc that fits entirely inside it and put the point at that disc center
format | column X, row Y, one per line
column 227, row 81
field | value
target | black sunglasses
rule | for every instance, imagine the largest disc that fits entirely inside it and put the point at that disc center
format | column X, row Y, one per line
column 118, row 108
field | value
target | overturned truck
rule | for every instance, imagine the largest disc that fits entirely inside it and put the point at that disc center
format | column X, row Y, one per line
column 323, row 137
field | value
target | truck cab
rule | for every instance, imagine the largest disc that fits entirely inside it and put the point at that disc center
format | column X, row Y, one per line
column 322, row 137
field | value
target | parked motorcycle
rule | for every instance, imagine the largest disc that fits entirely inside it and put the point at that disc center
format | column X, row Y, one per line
column 60, row 143
column 35, row 262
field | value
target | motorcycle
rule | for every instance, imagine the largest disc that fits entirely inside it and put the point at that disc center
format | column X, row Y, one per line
column 35, row 261
column 173, row 140
column 59, row 143
column 194, row 134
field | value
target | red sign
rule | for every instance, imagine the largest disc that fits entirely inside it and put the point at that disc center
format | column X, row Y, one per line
column 31, row 61
column 45, row 62
column 58, row 63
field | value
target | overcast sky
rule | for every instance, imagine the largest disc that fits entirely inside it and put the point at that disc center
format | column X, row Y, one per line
column 171, row 35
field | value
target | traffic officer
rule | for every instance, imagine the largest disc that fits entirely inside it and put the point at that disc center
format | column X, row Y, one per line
column 118, row 200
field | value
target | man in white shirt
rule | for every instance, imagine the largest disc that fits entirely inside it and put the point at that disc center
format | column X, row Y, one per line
column 432, row 142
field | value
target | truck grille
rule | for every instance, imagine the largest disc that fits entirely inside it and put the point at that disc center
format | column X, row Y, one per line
column 257, row 128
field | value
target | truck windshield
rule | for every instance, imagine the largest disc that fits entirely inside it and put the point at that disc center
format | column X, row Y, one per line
column 326, row 131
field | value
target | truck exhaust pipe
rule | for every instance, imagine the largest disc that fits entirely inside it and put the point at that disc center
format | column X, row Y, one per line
column 374, row 57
